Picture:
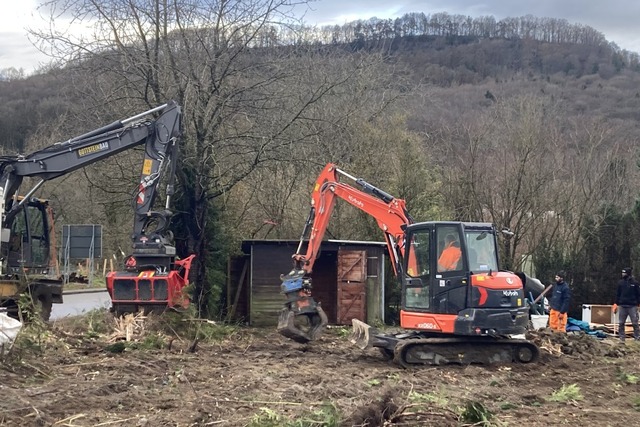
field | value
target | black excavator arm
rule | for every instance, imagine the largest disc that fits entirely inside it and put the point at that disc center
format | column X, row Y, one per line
column 153, row 278
column 160, row 138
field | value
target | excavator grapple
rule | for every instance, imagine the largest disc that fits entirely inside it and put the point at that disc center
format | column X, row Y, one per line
column 302, row 319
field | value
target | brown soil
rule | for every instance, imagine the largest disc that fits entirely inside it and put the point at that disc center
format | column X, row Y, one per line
column 257, row 378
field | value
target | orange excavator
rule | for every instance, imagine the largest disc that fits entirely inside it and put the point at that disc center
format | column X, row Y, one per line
column 457, row 305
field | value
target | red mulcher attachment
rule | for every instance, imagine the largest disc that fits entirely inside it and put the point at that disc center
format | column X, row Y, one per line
column 151, row 290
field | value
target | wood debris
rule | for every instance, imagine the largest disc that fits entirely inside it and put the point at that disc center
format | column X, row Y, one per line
column 612, row 328
column 128, row 327
column 550, row 347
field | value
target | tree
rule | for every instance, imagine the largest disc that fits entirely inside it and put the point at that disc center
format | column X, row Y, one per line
column 249, row 94
column 502, row 168
column 526, row 165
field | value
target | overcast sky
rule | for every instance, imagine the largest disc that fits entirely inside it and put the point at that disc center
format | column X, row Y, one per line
column 618, row 20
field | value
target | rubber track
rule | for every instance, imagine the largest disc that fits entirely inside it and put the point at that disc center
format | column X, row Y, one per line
column 444, row 351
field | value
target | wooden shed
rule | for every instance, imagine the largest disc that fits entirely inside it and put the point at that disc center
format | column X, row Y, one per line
column 347, row 278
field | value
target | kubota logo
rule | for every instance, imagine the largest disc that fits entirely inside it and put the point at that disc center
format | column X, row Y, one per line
column 355, row 201
column 510, row 293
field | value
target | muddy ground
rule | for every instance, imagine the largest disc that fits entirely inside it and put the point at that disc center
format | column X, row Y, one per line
column 81, row 372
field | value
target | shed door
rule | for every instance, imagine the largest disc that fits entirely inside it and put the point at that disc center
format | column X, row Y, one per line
column 352, row 275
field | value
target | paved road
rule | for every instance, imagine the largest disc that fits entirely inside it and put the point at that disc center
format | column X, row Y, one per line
column 80, row 302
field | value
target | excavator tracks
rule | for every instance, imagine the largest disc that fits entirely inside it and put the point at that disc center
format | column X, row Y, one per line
column 417, row 352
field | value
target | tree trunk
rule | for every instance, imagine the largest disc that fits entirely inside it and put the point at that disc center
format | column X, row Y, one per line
column 196, row 226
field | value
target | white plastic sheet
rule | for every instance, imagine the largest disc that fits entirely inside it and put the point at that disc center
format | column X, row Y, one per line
column 9, row 329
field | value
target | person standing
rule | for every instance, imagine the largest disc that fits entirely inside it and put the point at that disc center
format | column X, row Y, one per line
column 627, row 300
column 559, row 304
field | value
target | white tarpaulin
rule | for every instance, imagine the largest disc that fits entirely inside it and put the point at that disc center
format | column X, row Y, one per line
column 9, row 329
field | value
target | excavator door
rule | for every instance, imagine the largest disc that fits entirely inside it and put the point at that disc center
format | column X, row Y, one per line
column 28, row 245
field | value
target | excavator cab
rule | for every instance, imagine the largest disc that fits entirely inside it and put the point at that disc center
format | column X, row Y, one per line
column 27, row 244
column 28, row 251
column 451, row 283
column 457, row 307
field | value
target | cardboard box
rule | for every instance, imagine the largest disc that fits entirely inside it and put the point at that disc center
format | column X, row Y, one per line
column 600, row 314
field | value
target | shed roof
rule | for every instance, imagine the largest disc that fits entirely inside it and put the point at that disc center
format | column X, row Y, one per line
column 246, row 244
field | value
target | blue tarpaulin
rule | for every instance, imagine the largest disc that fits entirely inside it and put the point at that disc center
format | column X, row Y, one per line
column 579, row 325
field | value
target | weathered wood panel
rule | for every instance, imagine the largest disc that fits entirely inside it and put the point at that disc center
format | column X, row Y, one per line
column 268, row 262
column 351, row 286
column 351, row 302
column 375, row 285
column 352, row 265
column 238, row 274
column 323, row 280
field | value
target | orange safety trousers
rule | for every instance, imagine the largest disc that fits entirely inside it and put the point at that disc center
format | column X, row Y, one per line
column 557, row 321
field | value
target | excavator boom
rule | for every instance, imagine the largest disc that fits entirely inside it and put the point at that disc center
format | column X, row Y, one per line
column 303, row 319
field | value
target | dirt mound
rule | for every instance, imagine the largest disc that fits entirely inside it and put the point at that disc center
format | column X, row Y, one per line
column 578, row 344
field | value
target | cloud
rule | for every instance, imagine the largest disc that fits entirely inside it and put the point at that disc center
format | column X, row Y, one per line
column 616, row 19
column 17, row 51
column 15, row 48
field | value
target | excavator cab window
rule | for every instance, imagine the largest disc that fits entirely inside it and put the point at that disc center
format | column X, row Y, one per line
column 449, row 250
column 481, row 247
column 18, row 240
column 417, row 282
column 29, row 241
column 419, row 255
column 38, row 234
column 450, row 283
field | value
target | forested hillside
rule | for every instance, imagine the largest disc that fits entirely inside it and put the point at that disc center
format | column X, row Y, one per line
column 530, row 123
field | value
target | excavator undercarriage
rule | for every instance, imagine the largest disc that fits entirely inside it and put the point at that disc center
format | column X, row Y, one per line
column 418, row 348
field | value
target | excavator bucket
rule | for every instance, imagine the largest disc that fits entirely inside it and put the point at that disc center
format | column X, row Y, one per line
column 362, row 334
column 302, row 327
